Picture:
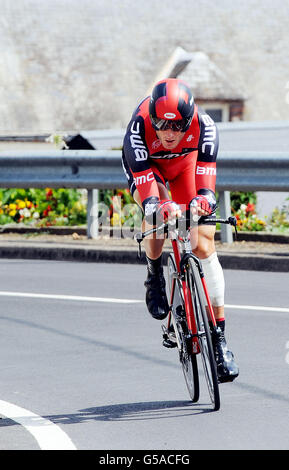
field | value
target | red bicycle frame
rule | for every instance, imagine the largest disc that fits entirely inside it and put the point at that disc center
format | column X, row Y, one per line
column 189, row 309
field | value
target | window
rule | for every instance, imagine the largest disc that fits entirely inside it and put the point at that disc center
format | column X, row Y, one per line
column 219, row 111
column 215, row 114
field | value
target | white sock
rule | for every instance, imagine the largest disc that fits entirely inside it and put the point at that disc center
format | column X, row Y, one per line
column 214, row 278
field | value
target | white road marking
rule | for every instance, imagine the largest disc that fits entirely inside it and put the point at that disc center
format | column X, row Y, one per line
column 257, row 307
column 47, row 434
column 122, row 301
column 69, row 297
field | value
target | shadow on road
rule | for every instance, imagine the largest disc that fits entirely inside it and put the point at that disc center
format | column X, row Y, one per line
column 134, row 411
column 127, row 412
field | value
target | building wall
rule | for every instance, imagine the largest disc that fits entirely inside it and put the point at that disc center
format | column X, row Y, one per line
column 68, row 65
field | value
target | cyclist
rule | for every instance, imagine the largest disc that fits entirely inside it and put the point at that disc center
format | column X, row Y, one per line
column 170, row 140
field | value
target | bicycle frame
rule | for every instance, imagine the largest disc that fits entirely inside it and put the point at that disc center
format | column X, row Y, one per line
column 184, row 332
column 189, row 309
column 180, row 267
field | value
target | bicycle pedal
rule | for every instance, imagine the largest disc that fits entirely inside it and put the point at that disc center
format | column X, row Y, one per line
column 180, row 313
column 167, row 343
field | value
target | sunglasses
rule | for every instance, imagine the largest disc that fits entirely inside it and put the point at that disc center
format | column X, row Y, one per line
column 175, row 126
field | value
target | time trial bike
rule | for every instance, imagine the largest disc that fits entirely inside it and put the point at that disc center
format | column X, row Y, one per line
column 191, row 324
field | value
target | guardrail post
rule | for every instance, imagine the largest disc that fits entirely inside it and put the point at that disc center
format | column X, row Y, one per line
column 92, row 213
column 225, row 211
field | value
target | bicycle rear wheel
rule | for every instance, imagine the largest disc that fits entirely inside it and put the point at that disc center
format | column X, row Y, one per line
column 204, row 333
column 187, row 359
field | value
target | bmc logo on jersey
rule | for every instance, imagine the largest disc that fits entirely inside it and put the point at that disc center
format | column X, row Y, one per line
column 142, row 179
column 137, row 144
column 201, row 170
column 210, row 134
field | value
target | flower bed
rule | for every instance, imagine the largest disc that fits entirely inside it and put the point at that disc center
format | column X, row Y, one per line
column 42, row 207
column 67, row 207
column 244, row 209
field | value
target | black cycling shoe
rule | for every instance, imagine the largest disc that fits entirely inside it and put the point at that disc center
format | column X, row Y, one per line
column 156, row 298
column 227, row 368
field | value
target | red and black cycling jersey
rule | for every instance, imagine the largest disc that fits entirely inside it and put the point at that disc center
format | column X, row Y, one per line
column 145, row 160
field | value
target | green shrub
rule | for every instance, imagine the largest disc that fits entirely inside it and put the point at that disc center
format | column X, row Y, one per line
column 42, row 207
column 238, row 198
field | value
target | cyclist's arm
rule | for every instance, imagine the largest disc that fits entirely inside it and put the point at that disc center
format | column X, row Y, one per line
column 137, row 156
column 207, row 153
column 206, row 165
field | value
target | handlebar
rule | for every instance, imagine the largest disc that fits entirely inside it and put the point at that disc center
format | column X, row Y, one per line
column 164, row 227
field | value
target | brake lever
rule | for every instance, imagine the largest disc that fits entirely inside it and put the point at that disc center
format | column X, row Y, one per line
column 139, row 238
column 233, row 221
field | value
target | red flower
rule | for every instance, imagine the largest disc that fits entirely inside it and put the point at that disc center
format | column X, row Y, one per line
column 46, row 211
column 49, row 193
column 250, row 208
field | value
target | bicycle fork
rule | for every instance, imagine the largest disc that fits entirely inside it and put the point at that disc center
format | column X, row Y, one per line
column 188, row 301
column 192, row 327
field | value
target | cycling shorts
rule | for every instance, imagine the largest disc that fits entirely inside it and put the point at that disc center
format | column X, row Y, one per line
column 182, row 186
column 179, row 174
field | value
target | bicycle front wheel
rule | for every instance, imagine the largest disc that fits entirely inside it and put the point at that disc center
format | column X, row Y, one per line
column 187, row 359
column 204, row 333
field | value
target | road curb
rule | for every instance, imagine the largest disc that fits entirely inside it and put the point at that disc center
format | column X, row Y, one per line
column 56, row 252
column 253, row 262
column 264, row 237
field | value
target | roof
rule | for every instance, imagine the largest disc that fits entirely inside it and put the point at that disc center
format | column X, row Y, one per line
column 205, row 78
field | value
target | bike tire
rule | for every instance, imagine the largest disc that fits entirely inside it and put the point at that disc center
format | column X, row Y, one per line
column 204, row 333
column 187, row 359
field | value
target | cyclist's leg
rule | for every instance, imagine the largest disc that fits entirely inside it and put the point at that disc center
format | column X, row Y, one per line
column 202, row 237
column 226, row 366
column 156, row 298
column 205, row 250
column 153, row 244
column 203, row 245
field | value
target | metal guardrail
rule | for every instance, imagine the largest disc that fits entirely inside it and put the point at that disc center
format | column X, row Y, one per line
column 91, row 169
column 102, row 169
column 97, row 169
column 253, row 171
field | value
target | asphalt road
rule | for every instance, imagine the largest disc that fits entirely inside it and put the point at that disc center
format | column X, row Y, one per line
column 89, row 373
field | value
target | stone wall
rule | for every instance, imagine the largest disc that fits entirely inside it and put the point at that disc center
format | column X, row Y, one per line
column 67, row 65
